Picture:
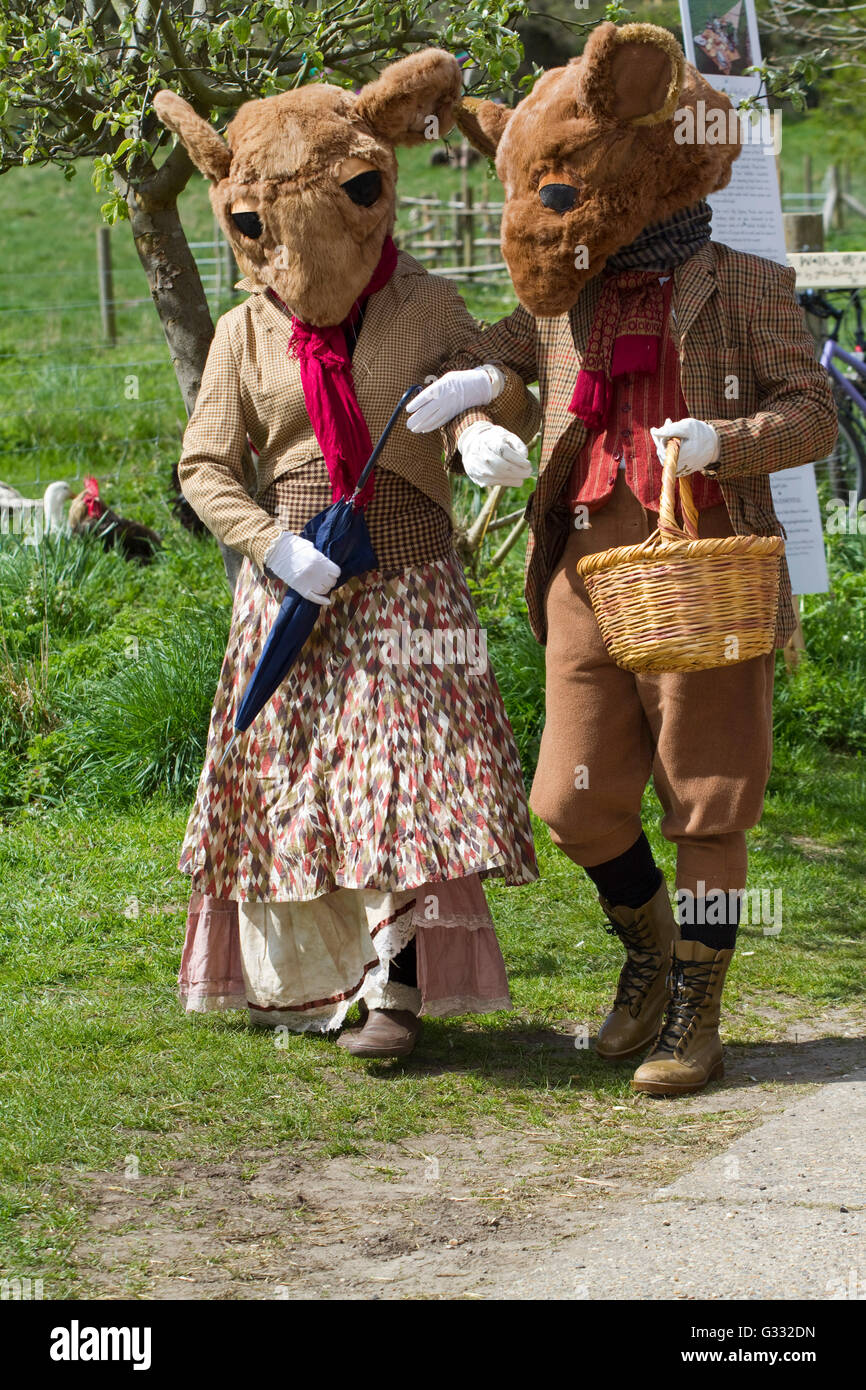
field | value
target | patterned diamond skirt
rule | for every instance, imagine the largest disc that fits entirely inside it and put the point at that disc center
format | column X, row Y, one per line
column 385, row 761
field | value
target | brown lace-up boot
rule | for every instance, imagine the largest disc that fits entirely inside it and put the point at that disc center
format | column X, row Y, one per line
column 688, row 1050
column 647, row 933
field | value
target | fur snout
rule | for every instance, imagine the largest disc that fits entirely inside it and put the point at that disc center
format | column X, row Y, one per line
column 551, row 255
column 315, row 242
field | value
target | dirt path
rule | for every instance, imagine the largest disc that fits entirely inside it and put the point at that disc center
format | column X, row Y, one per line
column 432, row 1217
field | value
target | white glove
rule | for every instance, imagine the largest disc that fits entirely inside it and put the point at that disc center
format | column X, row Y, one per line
column 304, row 568
column 493, row 456
column 451, row 395
column 700, row 444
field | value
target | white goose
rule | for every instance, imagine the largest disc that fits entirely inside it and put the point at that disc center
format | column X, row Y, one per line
column 33, row 517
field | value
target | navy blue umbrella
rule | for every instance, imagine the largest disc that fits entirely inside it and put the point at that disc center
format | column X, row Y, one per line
column 340, row 532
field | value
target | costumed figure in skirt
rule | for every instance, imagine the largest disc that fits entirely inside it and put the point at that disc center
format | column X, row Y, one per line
column 639, row 329
column 336, row 852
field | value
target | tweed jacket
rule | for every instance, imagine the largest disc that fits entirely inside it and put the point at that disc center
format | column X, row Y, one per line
column 747, row 366
column 251, row 388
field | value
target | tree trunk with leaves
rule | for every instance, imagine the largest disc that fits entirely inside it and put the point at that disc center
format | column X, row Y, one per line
column 171, row 270
column 77, row 80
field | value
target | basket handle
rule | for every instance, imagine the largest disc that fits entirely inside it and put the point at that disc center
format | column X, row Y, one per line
column 667, row 517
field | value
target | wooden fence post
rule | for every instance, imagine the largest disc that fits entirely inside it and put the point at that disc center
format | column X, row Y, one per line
column 804, row 231
column 468, row 226
column 838, row 199
column 795, row 648
column 106, row 285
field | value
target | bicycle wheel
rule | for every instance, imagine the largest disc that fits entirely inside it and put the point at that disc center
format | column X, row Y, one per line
column 843, row 471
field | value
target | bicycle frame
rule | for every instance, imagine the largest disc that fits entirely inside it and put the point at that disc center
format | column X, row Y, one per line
column 831, row 352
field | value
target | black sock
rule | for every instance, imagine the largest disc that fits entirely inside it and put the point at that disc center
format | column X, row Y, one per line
column 403, row 968
column 631, row 879
column 720, row 933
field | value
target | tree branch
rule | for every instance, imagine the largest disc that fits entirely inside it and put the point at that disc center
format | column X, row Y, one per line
column 509, row 543
column 204, row 90
column 170, row 179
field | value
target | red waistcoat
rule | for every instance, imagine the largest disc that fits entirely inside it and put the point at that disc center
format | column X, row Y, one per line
column 640, row 400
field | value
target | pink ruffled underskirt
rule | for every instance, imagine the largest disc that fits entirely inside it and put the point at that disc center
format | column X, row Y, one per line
column 460, row 965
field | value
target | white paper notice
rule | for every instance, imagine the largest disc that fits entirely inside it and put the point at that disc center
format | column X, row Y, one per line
column 748, row 213
column 795, row 498
column 721, row 42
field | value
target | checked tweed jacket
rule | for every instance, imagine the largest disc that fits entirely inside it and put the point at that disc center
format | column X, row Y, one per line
column 747, row 366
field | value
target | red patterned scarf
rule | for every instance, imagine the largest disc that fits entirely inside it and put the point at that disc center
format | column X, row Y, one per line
column 629, row 318
column 329, row 388
column 625, row 336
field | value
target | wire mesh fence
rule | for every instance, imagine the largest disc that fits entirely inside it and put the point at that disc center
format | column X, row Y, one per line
column 88, row 381
column 78, row 399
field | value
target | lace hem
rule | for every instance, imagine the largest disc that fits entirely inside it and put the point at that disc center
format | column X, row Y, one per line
column 195, row 1002
column 464, row 1004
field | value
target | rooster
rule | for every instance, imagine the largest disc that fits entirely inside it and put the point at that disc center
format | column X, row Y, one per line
column 88, row 512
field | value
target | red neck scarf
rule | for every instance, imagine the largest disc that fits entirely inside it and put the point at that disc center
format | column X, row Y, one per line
column 329, row 388
column 625, row 336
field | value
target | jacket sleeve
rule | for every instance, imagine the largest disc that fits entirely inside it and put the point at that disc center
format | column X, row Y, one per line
column 211, row 468
column 796, row 420
column 512, row 349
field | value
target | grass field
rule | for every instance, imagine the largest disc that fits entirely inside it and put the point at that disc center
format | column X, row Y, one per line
column 98, row 1063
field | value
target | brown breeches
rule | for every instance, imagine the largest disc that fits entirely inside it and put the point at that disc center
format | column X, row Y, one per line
column 705, row 737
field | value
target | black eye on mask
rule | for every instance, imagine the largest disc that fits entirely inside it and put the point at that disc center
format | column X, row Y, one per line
column 559, row 197
column 249, row 223
column 364, row 188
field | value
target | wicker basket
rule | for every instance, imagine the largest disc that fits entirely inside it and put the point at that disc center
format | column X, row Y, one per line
column 677, row 603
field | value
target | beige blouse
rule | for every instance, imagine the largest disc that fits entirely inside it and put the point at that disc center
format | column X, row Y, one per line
column 252, row 387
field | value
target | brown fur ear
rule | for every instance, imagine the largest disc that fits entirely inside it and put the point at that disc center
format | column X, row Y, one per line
column 482, row 123
column 414, row 99
column 631, row 75
column 207, row 149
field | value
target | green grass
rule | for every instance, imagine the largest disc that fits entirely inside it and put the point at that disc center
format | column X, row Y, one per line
column 98, row 1061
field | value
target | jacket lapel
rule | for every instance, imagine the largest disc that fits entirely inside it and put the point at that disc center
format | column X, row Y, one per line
column 582, row 315
column 564, row 340
column 382, row 310
column 270, row 316
column 694, row 284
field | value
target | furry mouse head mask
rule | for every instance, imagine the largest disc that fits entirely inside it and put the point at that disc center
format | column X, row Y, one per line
column 304, row 184
column 589, row 158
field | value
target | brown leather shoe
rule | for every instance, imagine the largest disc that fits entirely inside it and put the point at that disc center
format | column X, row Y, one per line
column 386, row 1033
column 688, row 1050
column 647, row 933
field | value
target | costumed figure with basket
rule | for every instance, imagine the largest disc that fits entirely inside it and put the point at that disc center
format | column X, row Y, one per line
column 662, row 358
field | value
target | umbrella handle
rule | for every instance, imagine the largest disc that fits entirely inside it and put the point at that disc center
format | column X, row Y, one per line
column 380, row 443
